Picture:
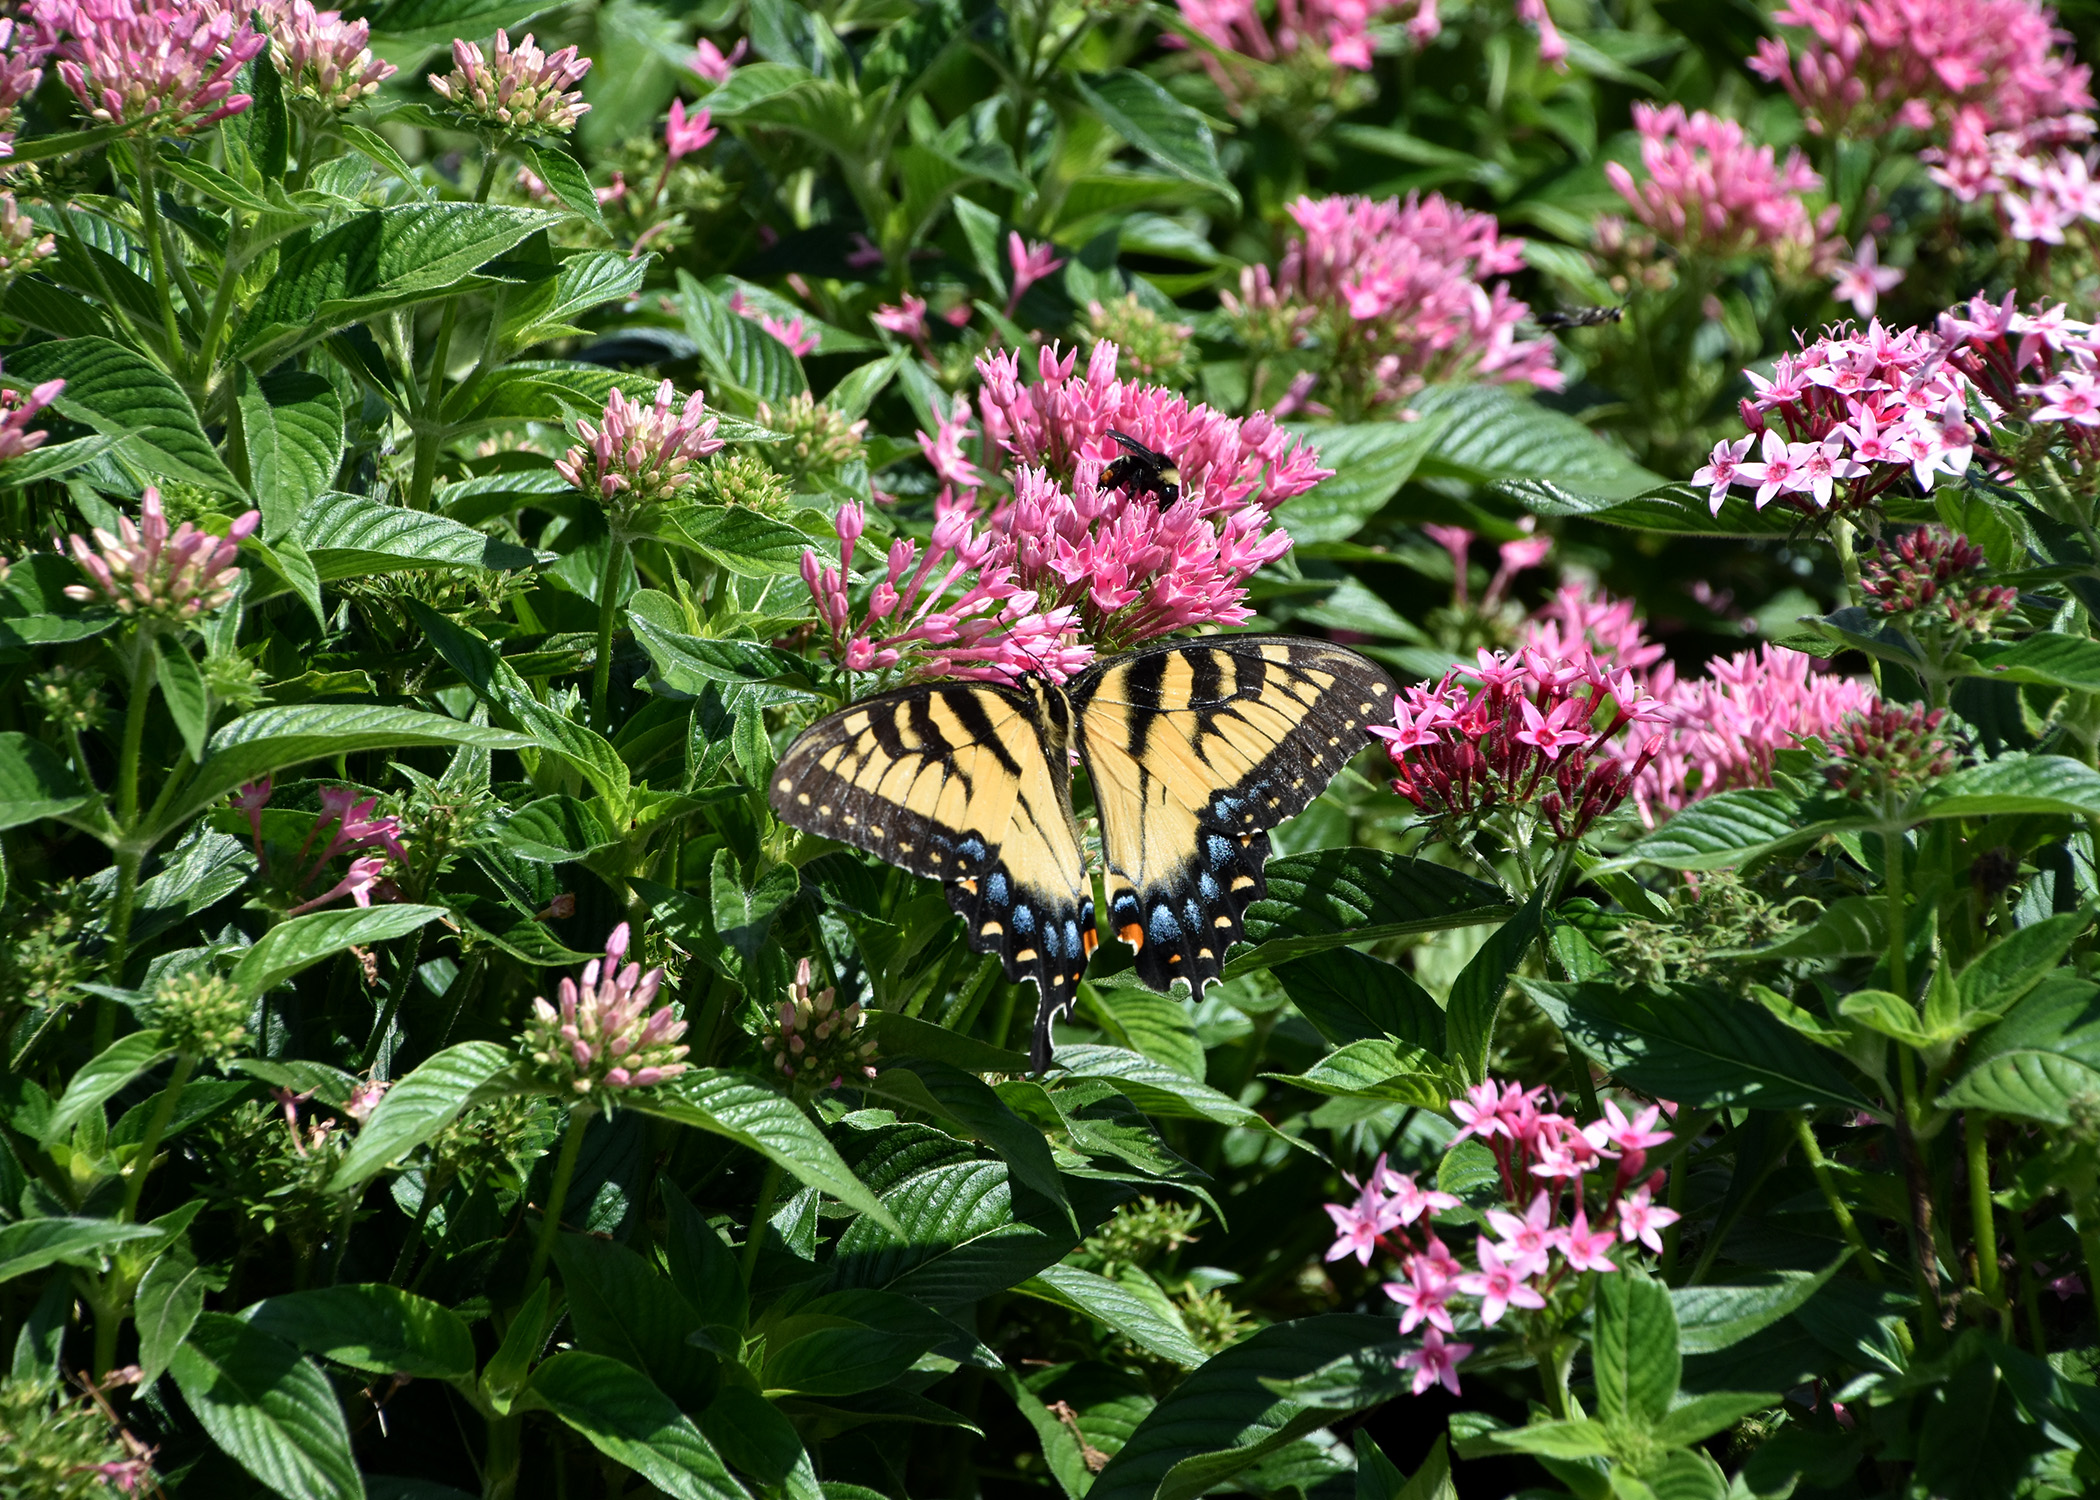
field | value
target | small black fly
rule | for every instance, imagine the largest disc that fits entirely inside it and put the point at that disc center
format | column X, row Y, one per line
column 1581, row 317
column 1140, row 471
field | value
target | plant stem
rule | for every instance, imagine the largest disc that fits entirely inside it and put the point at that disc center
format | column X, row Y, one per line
column 396, row 993
column 145, row 658
column 1899, row 928
column 1819, row 1167
column 761, row 1214
column 2030, row 1288
column 558, row 1192
column 608, row 606
column 109, row 1325
column 163, row 1111
column 1984, row 1226
column 149, row 210
column 499, row 1469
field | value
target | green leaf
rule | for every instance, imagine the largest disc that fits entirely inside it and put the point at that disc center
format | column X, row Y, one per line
column 953, row 1236
column 1667, row 509
column 378, row 1328
column 2018, row 962
column 621, row 1306
column 1149, row 1321
column 733, row 1106
column 1476, row 995
column 293, row 946
column 1158, row 1089
column 2041, row 1061
column 742, row 541
column 1173, row 135
column 1493, row 433
column 32, row 1244
column 379, row 261
column 565, row 175
column 1351, row 996
column 1577, row 1439
column 1160, row 1026
column 419, row 1106
column 548, row 310
column 182, row 690
column 555, row 830
column 169, row 1298
column 2016, row 783
column 1695, row 1046
column 850, row 1341
column 1728, row 829
column 293, row 425
column 626, row 1418
column 1849, row 927
column 1713, row 1318
column 970, row 1102
column 754, row 84
column 349, row 536
column 898, row 1035
column 271, row 739
column 1333, row 898
column 689, row 665
column 100, row 1079
column 1380, row 1068
column 743, row 917
column 1371, row 460
column 1635, row 1359
column 35, row 783
column 2047, row 658
column 1226, row 1416
column 267, row 1408
column 126, row 396
column 1701, row 1417
column 576, row 745
column 736, row 350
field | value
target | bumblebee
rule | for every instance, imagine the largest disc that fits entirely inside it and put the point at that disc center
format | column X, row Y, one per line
column 1140, row 471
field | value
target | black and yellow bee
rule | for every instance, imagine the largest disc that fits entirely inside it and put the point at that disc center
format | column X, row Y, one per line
column 1579, row 317
column 1140, row 471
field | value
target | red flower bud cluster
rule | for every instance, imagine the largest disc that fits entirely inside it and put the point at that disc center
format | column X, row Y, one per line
column 1890, row 750
column 1932, row 572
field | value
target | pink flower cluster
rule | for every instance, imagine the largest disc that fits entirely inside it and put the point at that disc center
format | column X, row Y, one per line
column 1531, row 729
column 521, row 89
column 18, row 408
column 640, row 455
column 1710, row 192
column 171, row 65
column 1544, row 1160
column 715, row 65
column 789, row 331
column 1861, row 409
column 603, row 1038
column 684, row 134
column 22, row 56
column 1399, row 291
column 1336, row 31
column 147, row 571
column 322, row 56
column 350, row 828
column 1889, row 751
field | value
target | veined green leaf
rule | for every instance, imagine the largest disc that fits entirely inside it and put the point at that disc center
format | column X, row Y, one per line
column 1333, row 898
column 377, row 1328
column 420, row 1105
column 350, row 536
column 624, row 1416
column 102, row 1077
column 129, row 398
column 35, row 783
column 298, row 944
column 268, row 1408
column 1173, row 135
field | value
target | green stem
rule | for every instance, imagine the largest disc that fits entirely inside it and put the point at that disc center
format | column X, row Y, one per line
column 1982, row 1223
column 499, row 1469
column 608, row 607
column 109, row 1325
column 433, row 1189
column 149, row 210
column 163, row 1111
column 761, row 1215
column 2030, row 1289
column 143, row 661
column 1899, row 929
column 1555, row 1362
column 558, row 1192
column 1819, row 1168
column 396, row 993
column 222, row 297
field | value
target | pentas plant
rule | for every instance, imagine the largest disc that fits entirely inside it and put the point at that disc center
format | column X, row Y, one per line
column 1711, row 191
column 1574, row 1195
column 146, row 66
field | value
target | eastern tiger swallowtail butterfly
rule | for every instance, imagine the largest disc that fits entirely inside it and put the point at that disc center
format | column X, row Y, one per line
column 1194, row 750
column 1140, row 471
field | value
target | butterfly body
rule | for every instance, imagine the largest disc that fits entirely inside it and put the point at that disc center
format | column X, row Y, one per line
column 1140, row 471
column 1194, row 751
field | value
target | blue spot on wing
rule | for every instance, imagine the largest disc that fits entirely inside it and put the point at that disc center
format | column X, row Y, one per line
column 1163, row 928
column 1207, row 887
column 1024, row 918
column 996, row 888
column 1218, row 847
column 973, row 849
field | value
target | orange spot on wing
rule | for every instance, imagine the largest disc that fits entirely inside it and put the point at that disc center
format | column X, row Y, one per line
column 1089, row 940
column 1133, row 935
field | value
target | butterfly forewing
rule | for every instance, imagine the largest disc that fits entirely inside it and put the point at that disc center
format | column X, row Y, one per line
column 1194, row 751
column 965, row 783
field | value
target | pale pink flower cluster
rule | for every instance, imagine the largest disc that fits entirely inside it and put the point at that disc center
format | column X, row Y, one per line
column 1515, row 557
column 1399, row 292
column 1711, row 191
column 148, row 571
column 322, row 56
column 603, row 1037
column 1544, row 1160
column 817, row 1041
column 1030, row 263
column 684, row 134
column 349, row 827
column 714, row 65
column 17, row 410
column 1336, row 31
column 1725, row 729
column 22, row 56
column 640, row 455
column 1533, row 729
column 789, row 331
column 1850, row 415
column 132, row 63
column 522, row 89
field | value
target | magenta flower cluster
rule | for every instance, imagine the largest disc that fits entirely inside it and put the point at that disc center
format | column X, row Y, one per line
column 521, row 89
column 603, row 1038
column 170, row 66
column 19, row 408
column 22, row 57
column 1709, row 190
column 346, row 825
column 322, row 56
column 640, row 455
column 150, row 572
column 1404, row 293
column 1335, row 31
column 1545, row 1161
column 1530, row 730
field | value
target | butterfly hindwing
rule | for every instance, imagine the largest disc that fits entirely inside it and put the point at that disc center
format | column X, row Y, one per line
column 965, row 783
column 1194, row 751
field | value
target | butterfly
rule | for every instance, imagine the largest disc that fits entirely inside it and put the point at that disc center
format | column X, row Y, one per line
column 1195, row 749
column 1140, row 471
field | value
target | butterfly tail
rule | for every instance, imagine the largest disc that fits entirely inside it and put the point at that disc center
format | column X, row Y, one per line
column 1037, row 936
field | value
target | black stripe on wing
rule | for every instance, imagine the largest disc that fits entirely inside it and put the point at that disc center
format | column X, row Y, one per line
column 1038, row 935
column 1184, row 924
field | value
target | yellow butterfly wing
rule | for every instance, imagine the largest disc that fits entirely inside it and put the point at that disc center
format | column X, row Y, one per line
column 1195, row 750
column 966, row 783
